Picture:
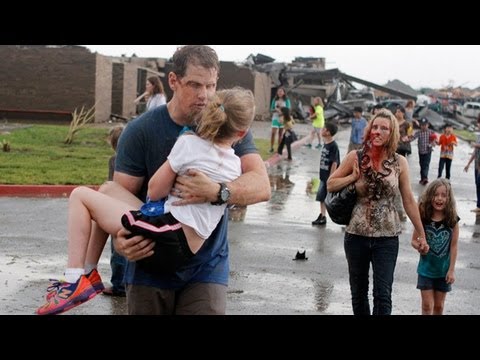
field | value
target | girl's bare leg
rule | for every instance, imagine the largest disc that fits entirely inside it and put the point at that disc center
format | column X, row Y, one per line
column 427, row 302
column 280, row 135
column 98, row 237
column 319, row 136
column 272, row 139
column 438, row 302
column 312, row 136
column 85, row 205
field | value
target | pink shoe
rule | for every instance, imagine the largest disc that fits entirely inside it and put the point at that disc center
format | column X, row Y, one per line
column 63, row 296
column 95, row 280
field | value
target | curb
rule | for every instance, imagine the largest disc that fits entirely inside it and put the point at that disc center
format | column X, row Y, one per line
column 274, row 159
column 53, row 191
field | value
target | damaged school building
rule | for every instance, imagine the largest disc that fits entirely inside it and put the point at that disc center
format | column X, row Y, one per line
column 48, row 82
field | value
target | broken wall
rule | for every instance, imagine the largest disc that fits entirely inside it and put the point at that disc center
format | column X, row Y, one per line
column 259, row 83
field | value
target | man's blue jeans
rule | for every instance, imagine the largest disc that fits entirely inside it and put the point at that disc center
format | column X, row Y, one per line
column 117, row 264
column 382, row 253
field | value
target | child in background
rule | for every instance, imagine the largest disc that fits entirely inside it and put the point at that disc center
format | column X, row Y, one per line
column 329, row 161
column 436, row 269
column 476, row 156
column 289, row 135
column 280, row 101
column 447, row 141
column 113, row 137
column 359, row 123
column 318, row 122
column 426, row 140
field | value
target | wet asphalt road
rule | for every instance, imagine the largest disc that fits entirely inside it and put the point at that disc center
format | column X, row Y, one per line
column 263, row 241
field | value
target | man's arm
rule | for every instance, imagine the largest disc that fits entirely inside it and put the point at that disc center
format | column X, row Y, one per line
column 129, row 182
column 251, row 187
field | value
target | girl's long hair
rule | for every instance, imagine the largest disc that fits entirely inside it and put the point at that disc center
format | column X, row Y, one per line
column 425, row 203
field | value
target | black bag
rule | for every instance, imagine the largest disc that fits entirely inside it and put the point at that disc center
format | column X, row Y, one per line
column 290, row 137
column 340, row 204
column 404, row 148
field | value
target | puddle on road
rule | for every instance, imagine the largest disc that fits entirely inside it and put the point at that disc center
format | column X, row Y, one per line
column 286, row 293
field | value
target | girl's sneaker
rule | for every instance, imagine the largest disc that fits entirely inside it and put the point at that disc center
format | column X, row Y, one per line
column 63, row 296
column 95, row 280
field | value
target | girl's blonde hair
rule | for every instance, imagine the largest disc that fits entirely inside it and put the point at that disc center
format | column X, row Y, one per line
column 392, row 142
column 425, row 203
column 229, row 112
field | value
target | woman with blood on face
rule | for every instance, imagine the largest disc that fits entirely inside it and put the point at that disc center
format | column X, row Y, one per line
column 373, row 231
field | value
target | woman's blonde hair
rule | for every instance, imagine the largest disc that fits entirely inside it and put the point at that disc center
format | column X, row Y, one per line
column 392, row 142
column 229, row 112
column 425, row 203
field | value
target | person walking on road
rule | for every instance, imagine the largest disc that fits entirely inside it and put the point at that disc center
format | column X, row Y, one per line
column 373, row 231
column 436, row 268
column 476, row 156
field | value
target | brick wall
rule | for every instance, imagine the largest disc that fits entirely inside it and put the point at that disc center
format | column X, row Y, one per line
column 129, row 90
column 124, row 89
column 54, row 78
column 103, row 88
column 117, row 88
column 42, row 78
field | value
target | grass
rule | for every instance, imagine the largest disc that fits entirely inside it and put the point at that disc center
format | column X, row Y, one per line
column 39, row 156
column 466, row 135
column 263, row 146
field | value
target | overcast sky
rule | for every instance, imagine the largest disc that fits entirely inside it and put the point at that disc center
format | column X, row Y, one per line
column 417, row 65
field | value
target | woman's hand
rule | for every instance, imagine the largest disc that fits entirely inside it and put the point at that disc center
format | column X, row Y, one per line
column 356, row 170
column 421, row 245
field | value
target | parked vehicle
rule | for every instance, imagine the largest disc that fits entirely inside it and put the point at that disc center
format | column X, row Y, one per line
column 469, row 109
column 468, row 113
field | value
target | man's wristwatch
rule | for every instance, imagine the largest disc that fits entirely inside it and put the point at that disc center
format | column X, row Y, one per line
column 223, row 195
